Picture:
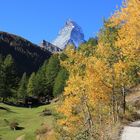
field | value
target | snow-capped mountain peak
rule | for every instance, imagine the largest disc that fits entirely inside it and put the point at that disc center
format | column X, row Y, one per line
column 71, row 33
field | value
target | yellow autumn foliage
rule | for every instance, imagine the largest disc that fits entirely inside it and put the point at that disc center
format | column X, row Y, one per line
column 96, row 88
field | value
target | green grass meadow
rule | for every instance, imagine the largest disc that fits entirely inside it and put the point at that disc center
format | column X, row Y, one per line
column 29, row 118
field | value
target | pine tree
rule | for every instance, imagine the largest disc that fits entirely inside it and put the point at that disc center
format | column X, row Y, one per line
column 40, row 81
column 60, row 82
column 22, row 90
column 31, row 85
column 52, row 70
column 10, row 78
column 2, row 79
column 10, row 71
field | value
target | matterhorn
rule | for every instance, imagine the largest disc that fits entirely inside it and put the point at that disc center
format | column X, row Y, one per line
column 71, row 34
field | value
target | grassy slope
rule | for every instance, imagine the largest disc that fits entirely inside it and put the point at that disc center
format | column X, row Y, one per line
column 28, row 118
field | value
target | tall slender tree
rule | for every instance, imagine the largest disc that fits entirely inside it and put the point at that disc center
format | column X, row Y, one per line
column 22, row 90
column 40, row 81
column 60, row 82
column 52, row 70
column 10, row 77
column 2, row 79
column 31, row 85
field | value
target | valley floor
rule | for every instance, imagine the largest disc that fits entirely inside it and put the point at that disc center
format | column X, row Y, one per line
column 28, row 118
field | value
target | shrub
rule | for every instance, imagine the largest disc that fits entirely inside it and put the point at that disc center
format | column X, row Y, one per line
column 14, row 125
column 46, row 112
column 45, row 129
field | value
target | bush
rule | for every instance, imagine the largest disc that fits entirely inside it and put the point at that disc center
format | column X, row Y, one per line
column 46, row 112
column 45, row 129
column 14, row 125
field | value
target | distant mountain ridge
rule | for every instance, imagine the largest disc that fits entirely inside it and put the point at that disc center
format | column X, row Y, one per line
column 28, row 56
column 50, row 47
column 71, row 33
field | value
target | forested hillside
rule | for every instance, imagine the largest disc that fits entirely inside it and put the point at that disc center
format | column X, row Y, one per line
column 27, row 56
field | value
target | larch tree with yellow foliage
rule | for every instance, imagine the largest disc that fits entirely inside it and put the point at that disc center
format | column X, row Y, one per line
column 94, row 96
column 128, row 41
column 85, row 104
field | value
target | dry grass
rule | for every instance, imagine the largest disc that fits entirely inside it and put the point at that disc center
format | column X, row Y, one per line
column 45, row 133
column 134, row 94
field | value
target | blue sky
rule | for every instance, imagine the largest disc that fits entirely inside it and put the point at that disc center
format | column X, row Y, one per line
column 36, row 20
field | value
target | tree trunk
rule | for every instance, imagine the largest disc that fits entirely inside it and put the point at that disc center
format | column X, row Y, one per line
column 113, row 97
column 88, row 116
column 124, row 100
column 90, row 122
column 3, row 100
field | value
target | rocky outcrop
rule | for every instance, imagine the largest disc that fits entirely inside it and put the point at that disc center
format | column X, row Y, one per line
column 50, row 47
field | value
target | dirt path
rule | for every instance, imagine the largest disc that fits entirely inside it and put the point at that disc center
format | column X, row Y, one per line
column 131, row 132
